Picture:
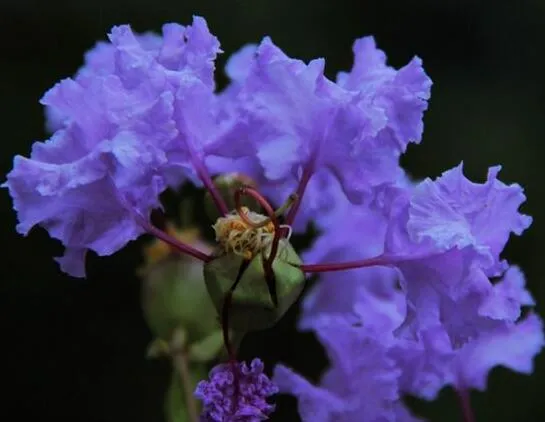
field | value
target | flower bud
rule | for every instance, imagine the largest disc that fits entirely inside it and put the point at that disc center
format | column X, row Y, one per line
column 252, row 306
column 174, row 295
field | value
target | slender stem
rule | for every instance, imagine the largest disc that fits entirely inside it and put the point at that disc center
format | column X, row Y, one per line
column 260, row 199
column 380, row 260
column 172, row 241
column 465, row 404
column 274, row 249
column 225, row 324
column 227, row 301
column 263, row 202
column 292, row 199
column 182, row 366
column 203, row 174
column 305, row 177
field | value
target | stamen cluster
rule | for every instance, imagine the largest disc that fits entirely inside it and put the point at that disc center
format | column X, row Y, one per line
column 234, row 234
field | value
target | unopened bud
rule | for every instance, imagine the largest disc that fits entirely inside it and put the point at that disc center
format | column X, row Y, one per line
column 252, row 306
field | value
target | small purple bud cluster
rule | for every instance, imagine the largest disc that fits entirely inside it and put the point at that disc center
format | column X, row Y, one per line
column 236, row 392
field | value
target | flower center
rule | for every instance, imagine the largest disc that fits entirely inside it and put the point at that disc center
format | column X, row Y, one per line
column 245, row 237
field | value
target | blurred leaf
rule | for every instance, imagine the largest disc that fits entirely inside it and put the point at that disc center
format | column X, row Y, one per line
column 206, row 349
column 157, row 348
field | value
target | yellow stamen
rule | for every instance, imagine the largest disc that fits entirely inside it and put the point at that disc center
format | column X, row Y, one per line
column 241, row 238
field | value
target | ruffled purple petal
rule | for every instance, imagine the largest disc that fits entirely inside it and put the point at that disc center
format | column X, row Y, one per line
column 296, row 120
column 314, row 403
column 513, row 346
column 134, row 120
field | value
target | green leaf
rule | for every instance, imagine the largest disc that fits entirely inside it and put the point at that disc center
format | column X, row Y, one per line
column 160, row 347
column 157, row 348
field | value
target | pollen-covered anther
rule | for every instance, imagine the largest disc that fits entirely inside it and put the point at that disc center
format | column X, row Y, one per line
column 242, row 238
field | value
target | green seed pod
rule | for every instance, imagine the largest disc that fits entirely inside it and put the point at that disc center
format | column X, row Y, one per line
column 174, row 295
column 252, row 305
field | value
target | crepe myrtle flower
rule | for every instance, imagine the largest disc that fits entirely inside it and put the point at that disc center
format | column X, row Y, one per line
column 371, row 366
column 143, row 115
column 435, row 317
column 297, row 123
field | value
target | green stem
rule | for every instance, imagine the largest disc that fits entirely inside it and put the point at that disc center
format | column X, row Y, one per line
column 181, row 364
column 305, row 177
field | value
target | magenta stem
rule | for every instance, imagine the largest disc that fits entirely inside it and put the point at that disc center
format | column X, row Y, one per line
column 225, row 325
column 465, row 404
column 259, row 198
column 380, row 260
column 172, row 241
column 305, row 177
column 203, row 174
column 228, row 345
column 227, row 302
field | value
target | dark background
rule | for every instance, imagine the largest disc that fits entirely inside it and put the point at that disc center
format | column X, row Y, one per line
column 74, row 349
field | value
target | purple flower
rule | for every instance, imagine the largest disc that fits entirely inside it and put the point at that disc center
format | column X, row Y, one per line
column 447, row 236
column 481, row 332
column 453, row 212
column 137, row 118
column 434, row 361
column 447, row 324
column 511, row 345
column 298, row 122
column 361, row 382
column 236, row 392
column 354, row 315
column 372, row 364
column 355, row 232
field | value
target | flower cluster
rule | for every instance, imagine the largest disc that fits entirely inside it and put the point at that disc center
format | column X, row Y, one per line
column 420, row 308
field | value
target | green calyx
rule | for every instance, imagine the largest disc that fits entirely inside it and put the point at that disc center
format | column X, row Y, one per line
column 252, row 306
